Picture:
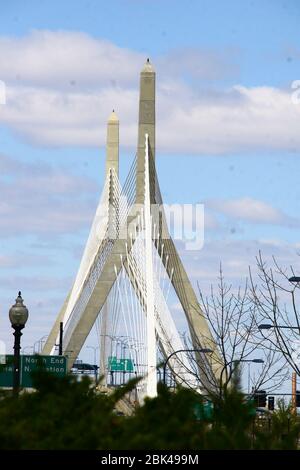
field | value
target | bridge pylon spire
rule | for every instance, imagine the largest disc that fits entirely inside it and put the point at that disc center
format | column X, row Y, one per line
column 146, row 125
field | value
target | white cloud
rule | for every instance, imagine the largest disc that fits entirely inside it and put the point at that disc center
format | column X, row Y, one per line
column 61, row 86
column 53, row 117
column 203, row 64
column 235, row 256
column 252, row 210
column 238, row 120
column 42, row 200
column 36, row 283
column 23, row 259
column 66, row 59
column 7, row 261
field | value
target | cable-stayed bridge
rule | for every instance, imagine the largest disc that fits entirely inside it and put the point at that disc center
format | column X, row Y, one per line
column 128, row 267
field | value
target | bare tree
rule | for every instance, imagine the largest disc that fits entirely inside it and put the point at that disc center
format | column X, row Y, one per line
column 278, row 318
column 231, row 315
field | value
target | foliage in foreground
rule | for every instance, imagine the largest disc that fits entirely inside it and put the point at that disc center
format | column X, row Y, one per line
column 66, row 414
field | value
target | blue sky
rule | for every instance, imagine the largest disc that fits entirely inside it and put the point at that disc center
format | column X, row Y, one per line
column 226, row 126
column 265, row 33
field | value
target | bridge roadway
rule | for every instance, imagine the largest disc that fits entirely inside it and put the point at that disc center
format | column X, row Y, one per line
column 126, row 405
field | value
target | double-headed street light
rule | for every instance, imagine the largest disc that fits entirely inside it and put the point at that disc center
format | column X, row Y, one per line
column 18, row 315
column 268, row 326
column 237, row 361
column 295, row 279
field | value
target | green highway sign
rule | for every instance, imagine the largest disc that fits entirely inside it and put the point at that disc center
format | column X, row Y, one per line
column 57, row 365
column 120, row 365
column 204, row 410
column 6, row 371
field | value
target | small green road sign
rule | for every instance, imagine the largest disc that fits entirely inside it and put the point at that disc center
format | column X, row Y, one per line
column 204, row 410
column 57, row 365
column 6, row 371
column 120, row 365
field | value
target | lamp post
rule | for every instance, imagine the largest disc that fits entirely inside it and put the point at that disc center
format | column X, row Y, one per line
column 18, row 315
column 203, row 351
column 39, row 342
column 127, row 344
column 42, row 340
column 295, row 279
column 95, row 359
column 256, row 361
column 103, row 366
column 249, row 378
column 268, row 326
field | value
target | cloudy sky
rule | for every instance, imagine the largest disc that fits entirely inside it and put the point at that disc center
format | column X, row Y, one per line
column 228, row 132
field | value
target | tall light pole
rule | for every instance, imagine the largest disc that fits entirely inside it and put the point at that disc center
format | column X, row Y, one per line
column 18, row 315
column 295, row 279
column 42, row 340
column 237, row 361
column 203, row 351
column 249, row 378
column 103, row 366
column 39, row 342
column 95, row 359
column 268, row 326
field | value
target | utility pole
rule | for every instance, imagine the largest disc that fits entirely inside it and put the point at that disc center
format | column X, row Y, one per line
column 294, row 392
column 61, row 332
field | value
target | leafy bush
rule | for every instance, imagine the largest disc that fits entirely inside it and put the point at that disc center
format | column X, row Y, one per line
column 66, row 414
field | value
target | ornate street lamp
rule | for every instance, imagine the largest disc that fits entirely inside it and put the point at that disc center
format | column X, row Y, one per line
column 18, row 315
